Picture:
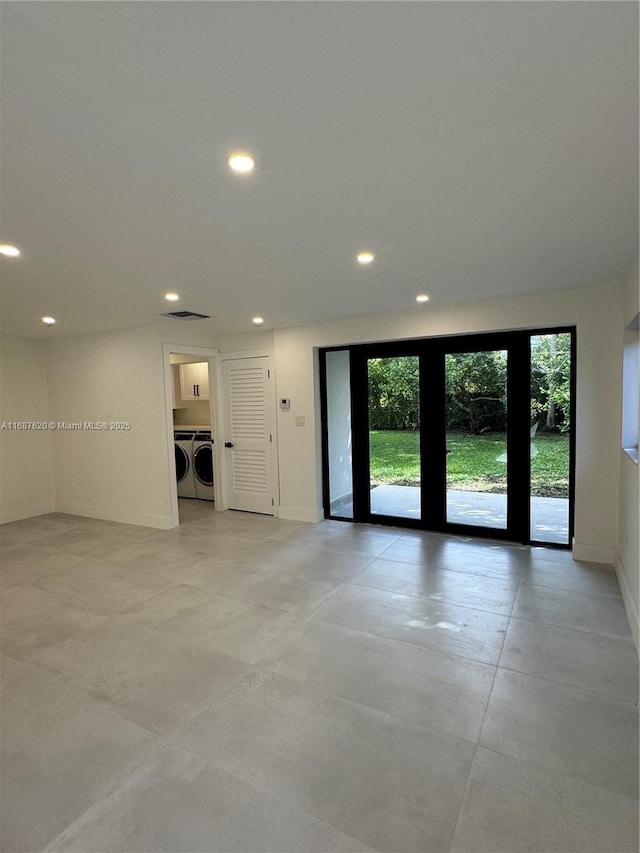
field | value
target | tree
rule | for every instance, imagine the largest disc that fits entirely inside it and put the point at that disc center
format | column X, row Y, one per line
column 394, row 398
column 476, row 385
column 551, row 381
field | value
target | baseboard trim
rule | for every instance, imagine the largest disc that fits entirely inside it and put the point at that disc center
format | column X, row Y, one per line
column 25, row 512
column 294, row 513
column 627, row 598
column 142, row 519
column 594, row 553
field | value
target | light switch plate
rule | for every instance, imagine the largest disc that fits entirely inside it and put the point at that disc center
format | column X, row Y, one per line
column 299, row 420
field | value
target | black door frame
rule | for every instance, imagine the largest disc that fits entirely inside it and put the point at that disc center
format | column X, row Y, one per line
column 431, row 354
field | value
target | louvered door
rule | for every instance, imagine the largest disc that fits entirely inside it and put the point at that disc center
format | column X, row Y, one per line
column 248, row 434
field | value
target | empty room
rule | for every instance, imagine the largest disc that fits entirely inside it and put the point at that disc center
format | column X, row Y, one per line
column 319, row 371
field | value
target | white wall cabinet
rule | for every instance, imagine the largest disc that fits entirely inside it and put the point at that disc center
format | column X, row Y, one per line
column 194, row 381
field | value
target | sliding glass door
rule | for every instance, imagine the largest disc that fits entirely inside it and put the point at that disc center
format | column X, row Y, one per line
column 470, row 435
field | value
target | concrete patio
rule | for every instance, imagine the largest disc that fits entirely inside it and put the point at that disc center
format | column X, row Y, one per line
column 549, row 516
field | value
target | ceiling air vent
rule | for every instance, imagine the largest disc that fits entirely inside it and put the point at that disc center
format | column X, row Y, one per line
column 186, row 315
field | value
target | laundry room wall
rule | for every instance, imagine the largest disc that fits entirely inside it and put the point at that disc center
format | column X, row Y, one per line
column 26, row 457
column 194, row 414
column 191, row 412
column 118, row 474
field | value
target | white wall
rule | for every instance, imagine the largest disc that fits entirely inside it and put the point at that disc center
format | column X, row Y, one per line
column 597, row 313
column 118, row 475
column 26, row 462
column 628, row 541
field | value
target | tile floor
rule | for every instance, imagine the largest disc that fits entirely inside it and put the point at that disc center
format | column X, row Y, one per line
column 248, row 684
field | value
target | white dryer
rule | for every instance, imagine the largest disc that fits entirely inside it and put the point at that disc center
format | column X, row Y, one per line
column 183, row 444
column 203, row 464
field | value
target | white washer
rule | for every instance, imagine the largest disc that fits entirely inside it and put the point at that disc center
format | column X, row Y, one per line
column 203, row 465
column 183, row 444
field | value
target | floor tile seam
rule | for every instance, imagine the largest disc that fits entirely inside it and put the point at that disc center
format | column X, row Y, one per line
column 613, row 596
column 578, row 687
column 475, row 752
column 395, row 595
column 222, row 595
column 220, row 699
column 465, row 792
column 542, row 561
column 210, row 761
column 58, row 551
column 105, row 704
column 33, row 539
column 127, row 610
column 255, row 664
column 626, row 640
column 35, row 581
column 560, row 773
column 30, row 656
column 129, row 540
column 120, row 711
column 427, row 598
column 218, row 651
column 115, row 613
column 376, row 712
column 13, row 658
column 140, row 626
column 421, row 565
column 226, row 555
column 570, row 684
column 348, row 549
column 571, row 627
column 473, row 759
column 297, row 612
column 180, row 641
column 275, row 566
column 311, row 610
column 103, row 800
column 60, row 601
column 380, row 636
column 370, row 708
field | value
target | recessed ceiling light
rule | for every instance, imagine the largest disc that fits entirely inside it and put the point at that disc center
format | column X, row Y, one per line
column 48, row 321
column 365, row 258
column 10, row 251
column 241, row 162
column 258, row 321
column 422, row 297
column 171, row 297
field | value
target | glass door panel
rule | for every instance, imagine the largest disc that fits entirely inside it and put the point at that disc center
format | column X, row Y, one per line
column 338, row 419
column 550, row 436
column 394, row 436
column 476, row 430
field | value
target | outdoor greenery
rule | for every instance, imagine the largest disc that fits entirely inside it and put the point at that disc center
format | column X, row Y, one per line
column 551, row 381
column 476, row 389
column 473, row 461
column 394, row 395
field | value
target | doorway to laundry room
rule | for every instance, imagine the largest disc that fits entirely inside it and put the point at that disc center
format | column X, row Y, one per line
column 193, row 427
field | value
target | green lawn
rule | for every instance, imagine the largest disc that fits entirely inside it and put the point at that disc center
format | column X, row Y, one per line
column 474, row 462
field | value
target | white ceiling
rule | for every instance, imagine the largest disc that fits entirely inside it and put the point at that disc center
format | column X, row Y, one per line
column 480, row 149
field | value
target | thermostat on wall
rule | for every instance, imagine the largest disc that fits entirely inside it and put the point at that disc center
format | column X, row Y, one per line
column 285, row 403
